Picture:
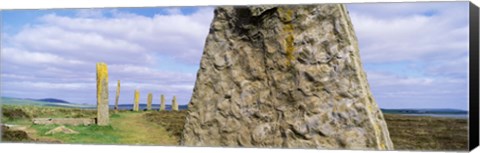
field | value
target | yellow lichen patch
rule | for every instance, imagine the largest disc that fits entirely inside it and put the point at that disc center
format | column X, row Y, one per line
column 285, row 15
column 102, row 78
column 136, row 100
column 289, row 47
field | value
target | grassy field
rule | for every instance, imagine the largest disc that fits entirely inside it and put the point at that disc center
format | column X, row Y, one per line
column 164, row 128
column 126, row 127
column 427, row 133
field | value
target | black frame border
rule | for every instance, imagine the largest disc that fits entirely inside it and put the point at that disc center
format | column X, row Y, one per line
column 474, row 77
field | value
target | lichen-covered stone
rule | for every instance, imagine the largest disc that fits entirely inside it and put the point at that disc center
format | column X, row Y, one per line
column 174, row 104
column 162, row 103
column 102, row 94
column 283, row 76
column 149, row 101
column 117, row 96
column 136, row 100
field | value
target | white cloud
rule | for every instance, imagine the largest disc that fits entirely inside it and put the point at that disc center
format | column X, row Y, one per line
column 18, row 56
column 165, row 34
column 430, row 43
column 393, row 91
column 409, row 36
column 50, row 86
column 56, row 55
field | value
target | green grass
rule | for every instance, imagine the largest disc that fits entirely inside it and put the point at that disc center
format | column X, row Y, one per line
column 134, row 128
column 87, row 134
column 126, row 127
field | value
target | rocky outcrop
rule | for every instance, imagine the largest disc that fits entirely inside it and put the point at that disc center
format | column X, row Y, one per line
column 14, row 134
column 283, row 76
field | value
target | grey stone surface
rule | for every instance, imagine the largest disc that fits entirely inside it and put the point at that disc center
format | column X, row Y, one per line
column 117, row 95
column 102, row 94
column 64, row 121
column 149, row 101
column 136, row 100
column 162, row 103
column 174, row 104
column 283, row 76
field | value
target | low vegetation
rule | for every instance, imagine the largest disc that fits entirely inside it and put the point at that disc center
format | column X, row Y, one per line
column 173, row 121
column 29, row 111
column 126, row 127
column 427, row 133
column 165, row 128
column 14, row 135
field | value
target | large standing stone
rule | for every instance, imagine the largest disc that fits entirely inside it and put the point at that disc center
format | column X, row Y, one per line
column 117, row 95
column 162, row 103
column 283, row 76
column 174, row 104
column 102, row 94
column 149, row 101
column 136, row 100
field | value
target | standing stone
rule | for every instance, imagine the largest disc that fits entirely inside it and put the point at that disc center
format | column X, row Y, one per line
column 174, row 104
column 162, row 103
column 102, row 94
column 117, row 95
column 149, row 101
column 283, row 76
column 136, row 100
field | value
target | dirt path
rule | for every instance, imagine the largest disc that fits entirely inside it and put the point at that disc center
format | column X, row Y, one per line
column 135, row 129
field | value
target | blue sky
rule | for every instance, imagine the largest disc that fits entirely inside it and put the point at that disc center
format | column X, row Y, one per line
column 415, row 54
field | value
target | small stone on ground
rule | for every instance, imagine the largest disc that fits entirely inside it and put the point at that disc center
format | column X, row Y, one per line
column 62, row 129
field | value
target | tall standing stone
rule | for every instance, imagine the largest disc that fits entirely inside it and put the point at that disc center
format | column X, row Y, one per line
column 149, row 101
column 283, row 76
column 174, row 104
column 162, row 103
column 136, row 100
column 117, row 96
column 102, row 94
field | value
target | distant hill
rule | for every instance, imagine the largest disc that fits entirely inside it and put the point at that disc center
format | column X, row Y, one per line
column 424, row 111
column 42, row 102
column 53, row 100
